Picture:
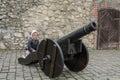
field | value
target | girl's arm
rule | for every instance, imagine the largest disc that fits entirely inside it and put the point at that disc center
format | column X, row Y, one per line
column 29, row 45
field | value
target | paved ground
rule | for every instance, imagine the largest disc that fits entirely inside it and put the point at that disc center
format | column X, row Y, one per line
column 103, row 65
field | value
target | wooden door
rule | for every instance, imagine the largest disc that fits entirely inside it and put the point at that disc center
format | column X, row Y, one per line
column 109, row 29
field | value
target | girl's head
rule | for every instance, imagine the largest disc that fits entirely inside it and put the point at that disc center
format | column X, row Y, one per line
column 34, row 34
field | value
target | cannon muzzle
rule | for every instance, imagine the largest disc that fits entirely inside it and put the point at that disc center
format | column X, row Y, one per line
column 79, row 33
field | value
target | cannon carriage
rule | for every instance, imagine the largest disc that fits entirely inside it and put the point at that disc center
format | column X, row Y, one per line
column 68, row 50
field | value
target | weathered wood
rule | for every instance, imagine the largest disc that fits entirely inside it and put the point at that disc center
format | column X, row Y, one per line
column 52, row 62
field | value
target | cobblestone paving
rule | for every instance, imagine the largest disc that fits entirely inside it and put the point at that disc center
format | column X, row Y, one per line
column 103, row 65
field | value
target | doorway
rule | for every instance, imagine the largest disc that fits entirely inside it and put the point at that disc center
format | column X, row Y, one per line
column 108, row 29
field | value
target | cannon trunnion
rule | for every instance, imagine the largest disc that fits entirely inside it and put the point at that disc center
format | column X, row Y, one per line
column 69, row 50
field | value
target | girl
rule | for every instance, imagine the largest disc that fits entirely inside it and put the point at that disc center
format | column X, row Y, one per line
column 32, row 43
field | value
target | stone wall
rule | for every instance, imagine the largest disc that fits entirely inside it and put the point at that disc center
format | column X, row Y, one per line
column 51, row 18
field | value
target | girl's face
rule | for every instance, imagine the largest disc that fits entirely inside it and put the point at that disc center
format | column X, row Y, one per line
column 35, row 35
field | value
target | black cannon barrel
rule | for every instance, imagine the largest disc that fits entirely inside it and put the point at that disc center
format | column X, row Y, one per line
column 78, row 33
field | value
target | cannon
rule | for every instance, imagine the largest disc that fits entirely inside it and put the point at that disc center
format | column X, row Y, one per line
column 68, row 50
